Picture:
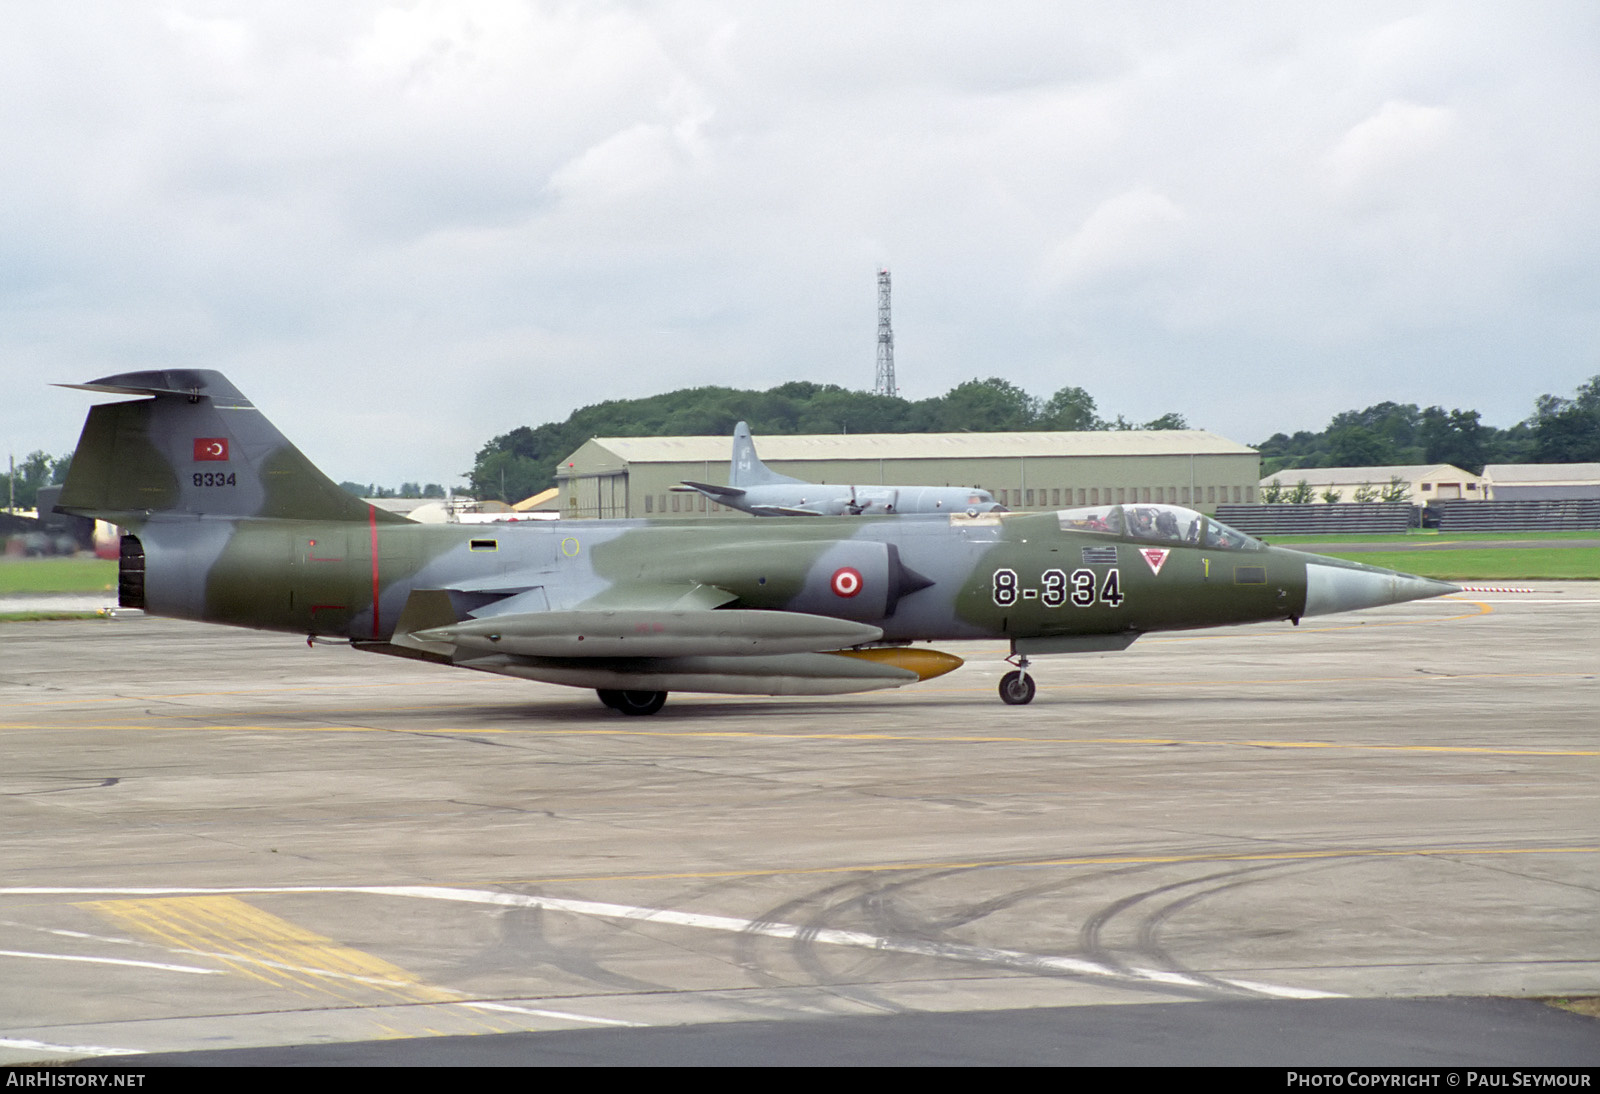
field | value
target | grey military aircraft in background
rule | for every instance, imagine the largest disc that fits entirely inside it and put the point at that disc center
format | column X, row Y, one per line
column 761, row 491
column 227, row 522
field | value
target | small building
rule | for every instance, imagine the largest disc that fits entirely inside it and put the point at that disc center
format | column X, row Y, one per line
column 634, row 476
column 1424, row 482
column 1542, row 481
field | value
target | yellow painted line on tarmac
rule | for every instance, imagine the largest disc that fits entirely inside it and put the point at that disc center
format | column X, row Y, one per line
column 271, row 949
column 274, row 951
column 142, row 698
column 997, row 739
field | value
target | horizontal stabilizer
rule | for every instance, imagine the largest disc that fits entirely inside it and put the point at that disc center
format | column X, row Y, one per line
column 650, row 633
column 783, row 511
column 713, row 491
column 190, row 383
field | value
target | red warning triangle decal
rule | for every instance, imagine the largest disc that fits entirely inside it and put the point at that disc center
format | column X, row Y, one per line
column 1155, row 556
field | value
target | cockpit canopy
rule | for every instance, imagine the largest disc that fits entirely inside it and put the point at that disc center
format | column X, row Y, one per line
column 1157, row 524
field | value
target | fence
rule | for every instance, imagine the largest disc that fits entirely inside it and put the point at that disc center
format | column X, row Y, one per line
column 1317, row 520
column 1517, row 516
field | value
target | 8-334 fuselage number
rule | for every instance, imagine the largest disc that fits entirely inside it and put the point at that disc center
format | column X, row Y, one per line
column 1057, row 587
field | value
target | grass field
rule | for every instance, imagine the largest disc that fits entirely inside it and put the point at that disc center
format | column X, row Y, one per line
column 43, row 617
column 1488, row 564
column 57, row 575
column 1426, row 538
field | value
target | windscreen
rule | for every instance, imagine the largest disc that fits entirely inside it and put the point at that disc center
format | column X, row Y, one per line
column 1157, row 524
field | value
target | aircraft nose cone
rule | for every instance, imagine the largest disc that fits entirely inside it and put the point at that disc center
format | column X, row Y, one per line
column 1349, row 588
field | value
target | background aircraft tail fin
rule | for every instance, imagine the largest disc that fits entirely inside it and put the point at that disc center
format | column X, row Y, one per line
column 746, row 468
column 196, row 447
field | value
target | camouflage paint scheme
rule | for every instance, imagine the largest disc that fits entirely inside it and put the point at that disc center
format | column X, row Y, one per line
column 229, row 523
column 760, row 491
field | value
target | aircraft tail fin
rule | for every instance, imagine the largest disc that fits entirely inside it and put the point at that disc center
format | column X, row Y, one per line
column 196, row 447
column 746, row 468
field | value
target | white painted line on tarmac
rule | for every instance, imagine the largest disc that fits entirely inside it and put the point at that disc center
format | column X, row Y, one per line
column 110, row 961
column 68, row 1050
column 562, row 1014
column 1281, row 992
column 919, row 947
column 953, row 951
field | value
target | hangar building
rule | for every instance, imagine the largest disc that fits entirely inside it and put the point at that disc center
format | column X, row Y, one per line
column 633, row 476
column 1542, row 481
column 1424, row 482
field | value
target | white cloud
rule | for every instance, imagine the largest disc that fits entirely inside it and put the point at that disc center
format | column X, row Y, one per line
column 1126, row 238
column 1388, row 155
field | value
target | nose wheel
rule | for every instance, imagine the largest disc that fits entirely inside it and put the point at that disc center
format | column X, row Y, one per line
column 1016, row 687
column 634, row 703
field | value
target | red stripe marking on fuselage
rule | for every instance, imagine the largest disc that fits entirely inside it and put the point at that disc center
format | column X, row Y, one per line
column 372, row 526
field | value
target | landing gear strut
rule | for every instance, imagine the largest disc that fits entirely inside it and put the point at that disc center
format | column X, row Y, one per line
column 1016, row 688
column 636, row 703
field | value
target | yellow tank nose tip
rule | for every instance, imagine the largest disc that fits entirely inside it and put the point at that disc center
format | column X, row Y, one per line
column 925, row 663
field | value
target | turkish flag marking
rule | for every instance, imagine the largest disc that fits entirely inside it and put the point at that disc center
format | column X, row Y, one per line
column 846, row 582
column 211, row 448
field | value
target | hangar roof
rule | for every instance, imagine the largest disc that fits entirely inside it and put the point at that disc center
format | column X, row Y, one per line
column 1338, row 476
column 929, row 446
column 1541, row 474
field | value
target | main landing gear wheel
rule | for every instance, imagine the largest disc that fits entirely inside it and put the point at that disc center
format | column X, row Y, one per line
column 635, row 703
column 1016, row 689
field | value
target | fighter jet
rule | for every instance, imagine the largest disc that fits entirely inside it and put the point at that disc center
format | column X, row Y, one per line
column 227, row 522
column 761, row 491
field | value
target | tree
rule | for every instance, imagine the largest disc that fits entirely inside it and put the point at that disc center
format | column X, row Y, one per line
column 1395, row 424
column 1568, row 430
column 1365, row 493
column 1331, row 495
column 1359, row 446
column 508, row 477
column 1397, row 490
column 1301, row 494
column 1172, row 420
column 1457, row 438
column 989, row 406
column 1272, row 493
column 37, row 470
column 1071, row 410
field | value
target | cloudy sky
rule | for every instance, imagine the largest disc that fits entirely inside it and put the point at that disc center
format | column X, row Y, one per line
column 402, row 228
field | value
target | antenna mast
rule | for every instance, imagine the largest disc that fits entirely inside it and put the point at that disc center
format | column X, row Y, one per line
column 885, row 384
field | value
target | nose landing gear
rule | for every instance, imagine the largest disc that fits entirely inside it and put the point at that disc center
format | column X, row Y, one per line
column 1017, row 688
